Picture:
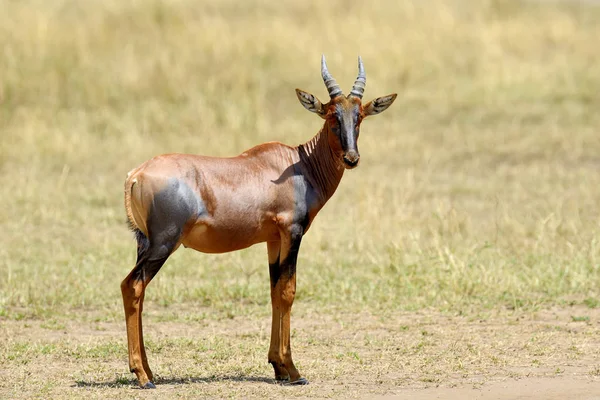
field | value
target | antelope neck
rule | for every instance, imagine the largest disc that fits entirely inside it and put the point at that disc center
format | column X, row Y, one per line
column 323, row 169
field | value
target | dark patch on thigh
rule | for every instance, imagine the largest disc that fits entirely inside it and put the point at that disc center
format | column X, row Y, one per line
column 150, row 258
column 172, row 207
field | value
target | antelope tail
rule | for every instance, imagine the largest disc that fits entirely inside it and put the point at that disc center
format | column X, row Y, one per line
column 133, row 194
column 128, row 188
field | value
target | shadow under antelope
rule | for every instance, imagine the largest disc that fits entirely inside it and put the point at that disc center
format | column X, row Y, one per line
column 270, row 193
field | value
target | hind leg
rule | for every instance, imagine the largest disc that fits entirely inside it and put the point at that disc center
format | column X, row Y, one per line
column 151, row 257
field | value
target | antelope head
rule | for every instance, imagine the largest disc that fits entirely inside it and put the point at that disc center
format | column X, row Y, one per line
column 343, row 114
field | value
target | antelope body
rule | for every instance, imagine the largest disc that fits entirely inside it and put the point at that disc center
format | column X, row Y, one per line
column 270, row 193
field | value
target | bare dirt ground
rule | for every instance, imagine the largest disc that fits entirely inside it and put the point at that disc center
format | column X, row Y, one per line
column 528, row 388
column 424, row 355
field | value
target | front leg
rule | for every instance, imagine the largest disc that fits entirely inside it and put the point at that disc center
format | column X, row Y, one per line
column 282, row 268
column 275, row 359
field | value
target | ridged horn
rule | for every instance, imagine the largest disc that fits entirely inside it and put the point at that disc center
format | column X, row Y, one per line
column 359, row 86
column 332, row 86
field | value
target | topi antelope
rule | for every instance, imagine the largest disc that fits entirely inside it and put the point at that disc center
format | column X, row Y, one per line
column 270, row 193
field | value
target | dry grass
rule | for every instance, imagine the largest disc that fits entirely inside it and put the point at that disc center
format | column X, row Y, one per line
column 344, row 356
column 478, row 190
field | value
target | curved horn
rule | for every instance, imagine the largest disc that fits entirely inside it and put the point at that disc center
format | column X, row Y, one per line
column 359, row 86
column 332, row 87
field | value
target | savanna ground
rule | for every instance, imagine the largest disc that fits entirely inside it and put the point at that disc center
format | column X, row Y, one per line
column 462, row 258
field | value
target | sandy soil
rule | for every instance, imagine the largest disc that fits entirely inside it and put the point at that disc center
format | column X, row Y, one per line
column 553, row 354
column 558, row 388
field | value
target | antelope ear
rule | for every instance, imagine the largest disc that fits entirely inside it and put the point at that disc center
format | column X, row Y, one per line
column 310, row 102
column 379, row 105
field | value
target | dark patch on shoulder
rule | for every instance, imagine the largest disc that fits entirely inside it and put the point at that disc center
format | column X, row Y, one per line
column 304, row 197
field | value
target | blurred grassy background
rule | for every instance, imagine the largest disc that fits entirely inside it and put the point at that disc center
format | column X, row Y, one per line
column 478, row 189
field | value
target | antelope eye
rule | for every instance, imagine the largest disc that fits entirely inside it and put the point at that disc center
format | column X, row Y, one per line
column 335, row 127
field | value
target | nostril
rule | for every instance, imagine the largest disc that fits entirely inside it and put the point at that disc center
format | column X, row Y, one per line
column 351, row 161
column 352, row 156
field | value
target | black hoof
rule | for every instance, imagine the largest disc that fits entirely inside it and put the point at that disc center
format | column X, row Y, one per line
column 149, row 385
column 301, row 381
